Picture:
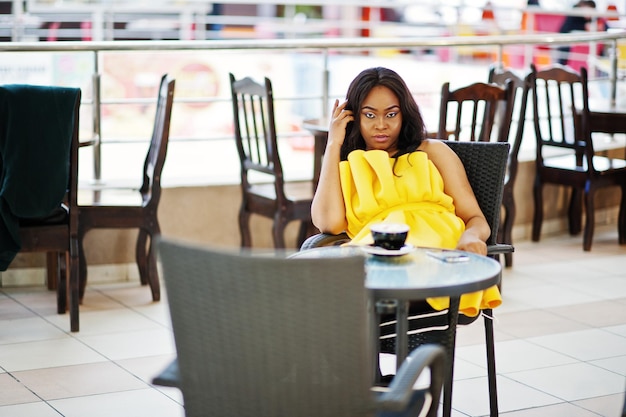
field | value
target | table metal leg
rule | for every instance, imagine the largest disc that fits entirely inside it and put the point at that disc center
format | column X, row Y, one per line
column 453, row 317
column 402, row 328
column 374, row 336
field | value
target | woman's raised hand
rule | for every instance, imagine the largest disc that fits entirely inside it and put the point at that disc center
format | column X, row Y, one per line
column 338, row 123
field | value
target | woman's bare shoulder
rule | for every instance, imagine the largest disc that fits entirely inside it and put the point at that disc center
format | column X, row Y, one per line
column 434, row 147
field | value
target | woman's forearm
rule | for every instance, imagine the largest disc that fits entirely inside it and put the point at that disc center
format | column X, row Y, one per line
column 328, row 211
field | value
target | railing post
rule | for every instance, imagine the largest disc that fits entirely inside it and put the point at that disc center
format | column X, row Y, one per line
column 613, row 75
column 325, row 86
column 96, row 112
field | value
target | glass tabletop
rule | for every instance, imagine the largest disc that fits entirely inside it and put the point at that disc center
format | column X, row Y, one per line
column 420, row 272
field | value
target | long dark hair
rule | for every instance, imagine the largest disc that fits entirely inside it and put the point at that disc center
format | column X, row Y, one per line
column 413, row 130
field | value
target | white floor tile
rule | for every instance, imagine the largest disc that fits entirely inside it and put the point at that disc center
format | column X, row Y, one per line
column 616, row 364
column 78, row 380
column 584, row 345
column 515, row 355
column 108, row 321
column 139, row 403
column 136, row 344
column 28, row 330
column 551, row 295
column 556, row 410
column 471, row 396
column 46, row 354
column 572, row 382
column 38, row 409
column 610, row 405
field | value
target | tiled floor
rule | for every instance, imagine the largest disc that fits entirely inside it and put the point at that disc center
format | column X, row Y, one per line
column 561, row 343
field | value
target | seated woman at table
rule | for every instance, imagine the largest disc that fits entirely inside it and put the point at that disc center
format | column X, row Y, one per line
column 380, row 167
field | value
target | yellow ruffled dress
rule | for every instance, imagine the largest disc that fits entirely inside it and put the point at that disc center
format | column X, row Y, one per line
column 377, row 188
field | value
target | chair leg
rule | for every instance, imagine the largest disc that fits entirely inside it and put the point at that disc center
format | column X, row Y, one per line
column 141, row 256
column 278, row 232
column 73, row 286
column 244, row 228
column 82, row 265
column 52, row 270
column 68, row 294
column 153, row 272
column 61, row 275
column 491, row 362
column 538, row 215
column 589, row 219
column 453, row 315
column 575, row 212
column 621, row 219
column 306, row 229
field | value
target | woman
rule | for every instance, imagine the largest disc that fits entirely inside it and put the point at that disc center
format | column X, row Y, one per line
column 378, row 166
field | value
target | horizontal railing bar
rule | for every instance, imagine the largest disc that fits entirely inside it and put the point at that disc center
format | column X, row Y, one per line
column 319, row 44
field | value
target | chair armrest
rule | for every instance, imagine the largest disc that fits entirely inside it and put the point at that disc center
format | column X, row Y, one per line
column 499, row 249
column 401, row 390
column 324, row 239
column 169, row 377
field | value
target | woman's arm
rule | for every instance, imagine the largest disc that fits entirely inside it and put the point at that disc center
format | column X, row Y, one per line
column 457, row 186
column 328, row 210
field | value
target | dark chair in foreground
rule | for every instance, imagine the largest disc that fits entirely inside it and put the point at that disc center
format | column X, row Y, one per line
column 264, row 190
column 516, row 131
column 485, row 165
column 113, row 213
column 565, row 152
column 38, row 183
column 269, row 336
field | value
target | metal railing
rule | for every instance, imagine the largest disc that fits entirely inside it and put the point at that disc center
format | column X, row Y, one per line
column 324, row 47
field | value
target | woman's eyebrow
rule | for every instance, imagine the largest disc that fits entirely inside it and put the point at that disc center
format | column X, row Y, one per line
column 393, row 106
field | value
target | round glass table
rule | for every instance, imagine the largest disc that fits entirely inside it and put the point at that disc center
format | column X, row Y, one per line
column 416, row 274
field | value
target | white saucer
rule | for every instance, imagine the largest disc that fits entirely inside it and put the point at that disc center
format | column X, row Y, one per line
column 378, row 251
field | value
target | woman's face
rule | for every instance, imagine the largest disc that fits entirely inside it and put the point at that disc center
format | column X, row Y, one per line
column 381, row 120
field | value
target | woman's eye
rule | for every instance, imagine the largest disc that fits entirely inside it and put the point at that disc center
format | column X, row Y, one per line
column 369, row 115
column 392, row 114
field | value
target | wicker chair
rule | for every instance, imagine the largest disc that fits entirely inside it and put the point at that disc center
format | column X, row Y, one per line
column 485, row 165
column 269, row 336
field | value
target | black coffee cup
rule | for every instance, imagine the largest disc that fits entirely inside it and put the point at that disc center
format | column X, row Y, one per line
column 389, row 236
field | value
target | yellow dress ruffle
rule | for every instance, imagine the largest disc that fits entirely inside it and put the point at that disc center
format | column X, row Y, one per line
column 408, row 190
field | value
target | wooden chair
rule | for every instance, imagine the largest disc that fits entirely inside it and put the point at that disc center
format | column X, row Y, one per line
column 39, row 181
column 469, row 113
column 501, row 77
column 565, row 152
column 485, row 164
column 270, row 196
column 286, row 337
column 113, row 213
